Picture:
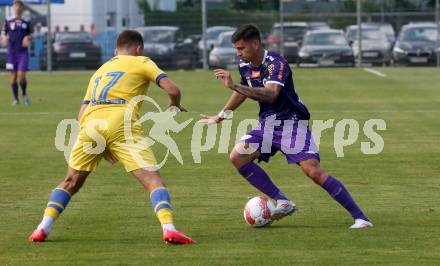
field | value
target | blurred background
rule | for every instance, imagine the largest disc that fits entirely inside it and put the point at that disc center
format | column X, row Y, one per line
column 190, row 34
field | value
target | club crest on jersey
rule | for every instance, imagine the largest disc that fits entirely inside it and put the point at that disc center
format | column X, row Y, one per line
column 12, row 25
column 270, row 68
column 24, row 26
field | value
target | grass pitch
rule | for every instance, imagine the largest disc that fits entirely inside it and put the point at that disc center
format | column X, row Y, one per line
column 110, row 220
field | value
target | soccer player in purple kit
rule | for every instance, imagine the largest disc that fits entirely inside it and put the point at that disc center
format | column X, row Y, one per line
column 267, row 78
column 16, row 35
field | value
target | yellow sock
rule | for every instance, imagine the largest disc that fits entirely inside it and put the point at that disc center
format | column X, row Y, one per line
column 165, row 216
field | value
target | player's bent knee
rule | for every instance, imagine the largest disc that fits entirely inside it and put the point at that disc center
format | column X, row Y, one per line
column 238, row 160
column 235, row 159
column 316, row 174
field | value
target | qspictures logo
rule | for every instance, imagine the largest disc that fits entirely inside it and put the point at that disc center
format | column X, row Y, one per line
column 293, row 135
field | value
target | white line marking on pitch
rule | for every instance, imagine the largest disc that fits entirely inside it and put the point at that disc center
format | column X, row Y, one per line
column 375, row 72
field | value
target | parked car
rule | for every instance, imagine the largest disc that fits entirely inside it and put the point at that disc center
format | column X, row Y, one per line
column 3, row 58
column 325, row 48
column 318, row 25
column 293, row 35
column 166, row 46
column 386, row 28
column 416, row 45
column 376, row 48
column 223, row 55
column 212, row 34
column 73, row 50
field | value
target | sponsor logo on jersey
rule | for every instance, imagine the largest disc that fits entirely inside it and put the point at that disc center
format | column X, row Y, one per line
column 255, row 74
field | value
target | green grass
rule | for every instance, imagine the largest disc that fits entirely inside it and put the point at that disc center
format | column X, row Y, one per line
column 111, row 222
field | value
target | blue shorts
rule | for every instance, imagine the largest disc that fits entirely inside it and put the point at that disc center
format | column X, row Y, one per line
column 292, row 138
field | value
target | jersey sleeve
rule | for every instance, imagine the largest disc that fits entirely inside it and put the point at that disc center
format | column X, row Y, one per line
column 277, row 72
column 242, row 78
column 88, row 97
column 152, row 71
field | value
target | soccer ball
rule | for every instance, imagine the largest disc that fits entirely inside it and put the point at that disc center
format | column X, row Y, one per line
column 257, row 211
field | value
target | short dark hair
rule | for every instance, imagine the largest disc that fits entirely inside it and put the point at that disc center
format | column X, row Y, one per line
column 129, row 38
column 246, row 32
column 18, row 2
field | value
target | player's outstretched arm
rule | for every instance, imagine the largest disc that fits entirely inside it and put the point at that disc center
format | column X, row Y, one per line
column 233, row 103
column 4, row 35
column 268, row 94
column 4, row 40
column 173, row 92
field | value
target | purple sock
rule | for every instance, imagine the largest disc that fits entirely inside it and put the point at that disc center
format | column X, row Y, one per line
column 260, row 180
column 23, row 85
column 337, row 190
column 14, row 87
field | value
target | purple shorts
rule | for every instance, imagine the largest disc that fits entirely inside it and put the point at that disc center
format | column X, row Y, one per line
column 17, row 62
column 293, row 138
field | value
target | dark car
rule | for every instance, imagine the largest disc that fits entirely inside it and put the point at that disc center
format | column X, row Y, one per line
column 293, row 36
column 73, row 50
column 325, row 48
column 417, row 45
column 166, row 46
column 223, row 55
column 3, row 58
column 376, row 47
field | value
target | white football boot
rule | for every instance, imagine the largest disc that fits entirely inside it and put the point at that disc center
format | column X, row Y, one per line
column 360, row 223
column 283, row 208
column 26, row 100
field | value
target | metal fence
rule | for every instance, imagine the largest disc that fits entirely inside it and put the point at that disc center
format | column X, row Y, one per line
column 196, row 18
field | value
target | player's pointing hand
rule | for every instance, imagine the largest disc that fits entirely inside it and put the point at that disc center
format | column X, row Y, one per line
column 225, row 76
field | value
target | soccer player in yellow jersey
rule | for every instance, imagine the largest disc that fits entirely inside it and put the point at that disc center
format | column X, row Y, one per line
column 122, row 78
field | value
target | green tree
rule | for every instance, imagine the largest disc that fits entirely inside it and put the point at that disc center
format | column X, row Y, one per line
column 189, row 5
column 248, row 4
column 347, row 6
column 405, row 5
column 144, row 6
column 378, row 5
column 430, row 3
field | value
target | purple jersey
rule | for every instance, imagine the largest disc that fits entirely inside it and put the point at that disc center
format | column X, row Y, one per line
column 275, row 69
column 16, row 29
